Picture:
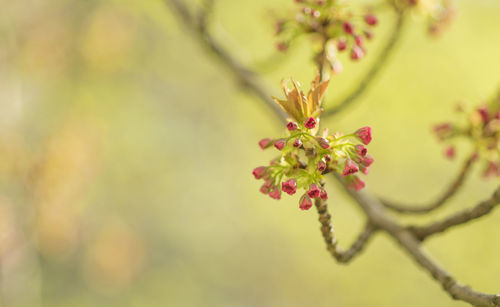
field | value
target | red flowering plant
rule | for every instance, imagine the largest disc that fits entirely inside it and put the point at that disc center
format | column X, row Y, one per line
column 334, row 24
column 482, row 129
column 306, row 155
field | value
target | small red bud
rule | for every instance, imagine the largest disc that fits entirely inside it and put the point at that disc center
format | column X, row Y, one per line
column 323, row 194
column 305, row 202
column 485, row 116
column 342, row 44
column 371, row 19
column 357, row 53
column 258, row 172
column 313, row 191
column 265, row 143
column 350, row 168
column 355, row 183
column 275, row 193
column 282, row 46
column 291, row 126
column 310, row 123
column 361, row 150
column 367, row 161
column 297, row 143
column 323, row 142
column 321, row 165
column 348, row 27
column 279, row 144
column 364, row 134
column 328, row 158
column 360, row 40
column 289, row 187
column 368, row 35
column 265, row 188
column 450, row 152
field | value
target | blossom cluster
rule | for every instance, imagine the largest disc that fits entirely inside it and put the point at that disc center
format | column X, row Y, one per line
column 482, row 128
column 306, row 156
column 338, row 28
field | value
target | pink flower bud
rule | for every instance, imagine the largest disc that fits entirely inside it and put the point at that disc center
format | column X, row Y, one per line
column 357, row 53
column 259, row 172
column 282, row 46
column 348, row 27
column 371, row 19
column 323, row 142
column 342, row 44
column 364, row 134
column 266, row 187
column 321, row 165
column 297, row 143
column 368, row 35
column 310, row 123
column 450, row 152
column 443, row 130
column 360, row 40
column 289, row 186
column 364, row 169
column 367, row 161
column 328, row 158
column 361, row 150
column 485, row 116
column 265, row 143
column 275, row 193
column 313, row 191
column 305, row 202
column 350, row 168
column 279, row 144
column 291, row 126
column 355, row 183
column 323, row 194
column 493, row 169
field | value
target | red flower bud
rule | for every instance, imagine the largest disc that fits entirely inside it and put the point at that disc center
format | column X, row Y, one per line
column 321, row 165
column 355, row 183
column 305, row 202
column 364, row 169
column 450, row 152
column 328, row 158
column 443, row 130
column 289, row 187
column 323, row 142
column 342, row 44
column 485, row 116
column 266, row 187
column 493, row 169
column 291, row 126
column 364, row 134
column 297, row 143
column 357, row 53
column 323, row 194
column 313, row 191
column 275, row 193
column 348, row 27
column 368, row 35
column 282, row 46
column 279, row 144
column 371, row 19
column 367, row 161
column 264, row 143
column 259, row 172
column 350, row 167
column 360, row 40
column 310, row 123
column 361, row 150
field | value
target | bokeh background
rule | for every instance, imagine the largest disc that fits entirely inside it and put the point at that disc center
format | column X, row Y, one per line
column 126, row 153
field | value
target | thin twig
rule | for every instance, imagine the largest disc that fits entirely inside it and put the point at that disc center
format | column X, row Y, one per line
column 328, row 232
column 371, row 206
column 458, row 218
column 379, row 62
column 450, row 191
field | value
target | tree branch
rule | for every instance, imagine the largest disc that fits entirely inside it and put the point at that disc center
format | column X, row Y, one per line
column 450, row 191
column 458, row 218
column 373, row 71
column 371, row 206
column 328, row 232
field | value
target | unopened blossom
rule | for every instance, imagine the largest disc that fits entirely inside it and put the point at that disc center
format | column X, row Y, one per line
column 350, row 168
column 258, row 172
column 289, row 186
column 265, row 143
column 313, row 191
column 305, row 202
column 365, row 135
column 279, row 144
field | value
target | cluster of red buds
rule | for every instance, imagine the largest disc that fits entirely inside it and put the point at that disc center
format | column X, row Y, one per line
column 336, row 26
column 305, row 156
column 482, row 129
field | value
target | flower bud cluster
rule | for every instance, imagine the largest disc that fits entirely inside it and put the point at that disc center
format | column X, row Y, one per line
column 337, row 27
column 482, row 128
column 306, row 157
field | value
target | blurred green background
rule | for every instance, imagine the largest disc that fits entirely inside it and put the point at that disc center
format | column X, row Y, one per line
column 126, row 154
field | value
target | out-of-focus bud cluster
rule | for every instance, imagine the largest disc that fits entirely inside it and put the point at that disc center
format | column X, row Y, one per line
column 333, row 24
column 305, row 155
column 439, row 13
column 482, row 128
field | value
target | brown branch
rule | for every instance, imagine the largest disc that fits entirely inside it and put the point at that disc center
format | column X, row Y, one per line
column 371, row 206
column 372, row 73
column 450, row 191
column 458, row 218
column 328, row 232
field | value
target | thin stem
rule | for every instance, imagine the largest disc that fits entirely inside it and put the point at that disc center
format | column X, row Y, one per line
column 458, row 218
column 450, row 191
column 372, row 73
